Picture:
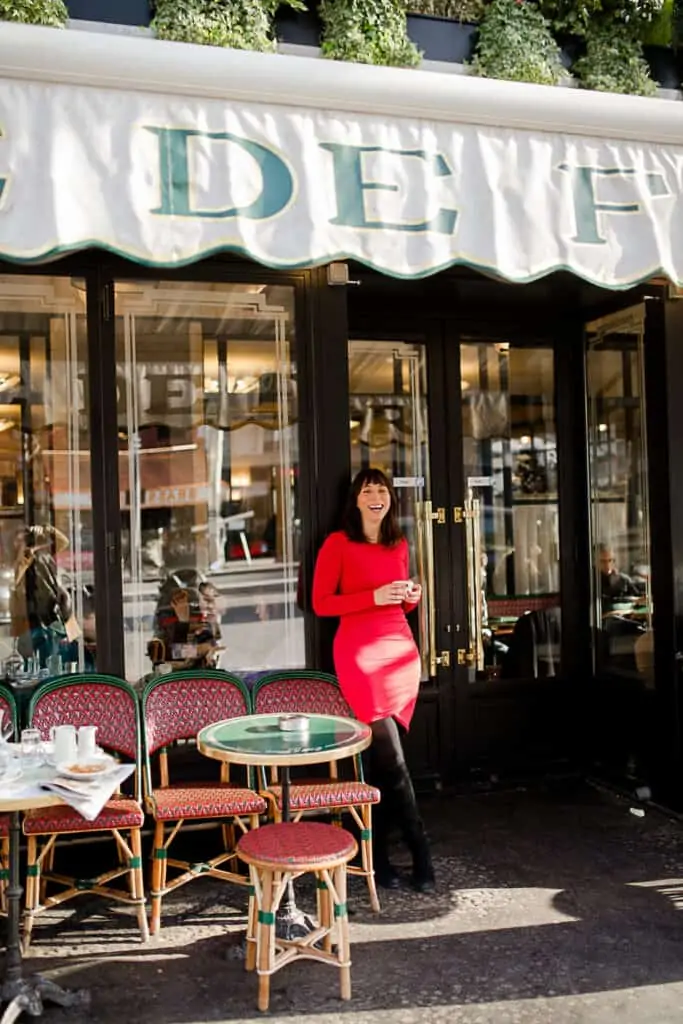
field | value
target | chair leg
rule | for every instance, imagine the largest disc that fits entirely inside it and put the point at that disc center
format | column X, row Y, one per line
column 325, row 905
column 228, row 836
column 32, row 888
column 137, row 882
column 4, row 873
column 343, row 944
column 366, row 856
column 266, row 940
column 158, row 877
column 47, row 865
column 252, row 920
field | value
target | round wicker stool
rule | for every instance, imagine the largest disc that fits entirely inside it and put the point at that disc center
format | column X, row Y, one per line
column 275, row 855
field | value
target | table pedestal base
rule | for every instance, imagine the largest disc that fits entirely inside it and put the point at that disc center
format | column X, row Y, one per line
column 26, row 995
column 290, row 922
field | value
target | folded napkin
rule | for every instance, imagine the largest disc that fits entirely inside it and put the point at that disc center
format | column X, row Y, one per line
column 89, row 795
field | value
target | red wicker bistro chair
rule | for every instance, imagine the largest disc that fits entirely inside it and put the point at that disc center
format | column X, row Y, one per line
column 276, row 855
column 8, row 714
column 306, row 692
column 111, row 705
column 174, row 709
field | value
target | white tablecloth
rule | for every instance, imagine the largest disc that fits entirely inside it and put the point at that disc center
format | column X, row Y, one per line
column 88, row 797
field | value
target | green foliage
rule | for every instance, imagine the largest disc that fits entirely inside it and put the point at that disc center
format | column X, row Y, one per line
column 470, row 11
column 367, row 32
column 580, row 16
column 677, row 23
column 34, row 12
column 515, row 44
column 239, row 24
column 614, row 63
column 660, row 31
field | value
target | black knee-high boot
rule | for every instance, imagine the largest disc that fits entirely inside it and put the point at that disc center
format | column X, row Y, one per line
column 406, row 815
column 386, row 875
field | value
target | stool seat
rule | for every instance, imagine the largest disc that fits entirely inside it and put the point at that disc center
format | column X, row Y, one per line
column 296, row 844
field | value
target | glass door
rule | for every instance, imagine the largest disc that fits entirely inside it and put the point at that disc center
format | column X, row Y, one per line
column 510, row 512
column 388, row 422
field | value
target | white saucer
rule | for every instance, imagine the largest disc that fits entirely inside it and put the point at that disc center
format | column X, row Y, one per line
column 97, row 768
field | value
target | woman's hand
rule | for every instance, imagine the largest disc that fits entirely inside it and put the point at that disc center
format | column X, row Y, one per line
column 414, row 594
column 391, row 593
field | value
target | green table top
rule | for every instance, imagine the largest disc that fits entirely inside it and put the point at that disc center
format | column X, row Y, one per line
column 258, row 740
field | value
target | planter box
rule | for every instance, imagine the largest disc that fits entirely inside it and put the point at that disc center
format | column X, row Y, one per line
column 114, row 12
column 304, row 28
column 443, row 39
column 665, row 66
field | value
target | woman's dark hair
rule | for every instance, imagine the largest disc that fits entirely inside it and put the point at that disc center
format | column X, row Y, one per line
column 352, row 524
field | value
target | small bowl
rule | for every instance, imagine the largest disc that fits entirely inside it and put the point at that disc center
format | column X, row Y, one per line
column 294, row 723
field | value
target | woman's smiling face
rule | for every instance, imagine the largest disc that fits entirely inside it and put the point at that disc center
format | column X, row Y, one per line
column 374, row 501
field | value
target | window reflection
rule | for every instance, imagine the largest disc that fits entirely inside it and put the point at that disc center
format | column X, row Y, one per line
column 47, row 613
column 208, row 469
column 622, row 605
column 388, row 430
column 512, row 517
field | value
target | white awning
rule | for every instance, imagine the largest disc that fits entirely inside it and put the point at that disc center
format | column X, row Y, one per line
column 166, row 153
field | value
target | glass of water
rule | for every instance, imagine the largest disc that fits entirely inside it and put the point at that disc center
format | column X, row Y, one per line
column 31, row 748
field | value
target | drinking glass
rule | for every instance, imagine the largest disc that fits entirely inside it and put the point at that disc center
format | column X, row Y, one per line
column 31, row 747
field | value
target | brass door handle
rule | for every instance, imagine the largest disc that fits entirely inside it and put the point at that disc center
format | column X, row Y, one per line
column 426, row 515
column 472, row 519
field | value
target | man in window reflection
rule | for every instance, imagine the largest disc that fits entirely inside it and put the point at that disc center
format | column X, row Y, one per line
column 614, row 585
column 187, row 632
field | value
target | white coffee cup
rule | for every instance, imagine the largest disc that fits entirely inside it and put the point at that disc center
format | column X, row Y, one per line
column 64, row 739
column 87, row 742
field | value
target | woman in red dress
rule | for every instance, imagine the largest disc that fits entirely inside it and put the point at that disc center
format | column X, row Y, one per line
column 361, row 577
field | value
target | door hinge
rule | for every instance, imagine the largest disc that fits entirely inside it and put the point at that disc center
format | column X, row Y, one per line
column 460, row 514
column 465, row 657
column 440, row 516
column 443, row 660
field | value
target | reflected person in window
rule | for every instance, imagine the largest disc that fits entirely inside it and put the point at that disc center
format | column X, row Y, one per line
column 361, row 576
column 41, row 607
column 614, row 585
column 185, row 636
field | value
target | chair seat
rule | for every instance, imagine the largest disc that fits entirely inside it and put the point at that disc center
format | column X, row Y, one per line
column 117, row 813
column 296, row 844
column 307, row 796
column 204, row 800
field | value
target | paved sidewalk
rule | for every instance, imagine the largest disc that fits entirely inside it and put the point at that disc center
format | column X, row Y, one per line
column 550, row 909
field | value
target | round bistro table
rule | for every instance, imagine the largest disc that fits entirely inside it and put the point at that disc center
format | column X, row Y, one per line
column 19, row 992
column 258, row 741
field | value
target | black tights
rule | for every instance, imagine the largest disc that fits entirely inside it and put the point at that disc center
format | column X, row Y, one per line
column 386, row 753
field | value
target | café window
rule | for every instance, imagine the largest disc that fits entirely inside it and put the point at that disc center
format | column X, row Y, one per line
column 619, row 513
column 47, row 613
column 208, row 473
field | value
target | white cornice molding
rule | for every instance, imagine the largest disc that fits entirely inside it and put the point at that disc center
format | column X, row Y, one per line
column 137, row 64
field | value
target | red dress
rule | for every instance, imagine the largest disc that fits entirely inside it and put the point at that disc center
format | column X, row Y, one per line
column 375, row 656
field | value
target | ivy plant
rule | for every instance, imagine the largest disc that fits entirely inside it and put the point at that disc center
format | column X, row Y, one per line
column 367, row 32
column 660, row 32
column 35, row 12
column 468, row 11
column 515, row 44
column 614, row 62
column 578, row 17
column 239, row 24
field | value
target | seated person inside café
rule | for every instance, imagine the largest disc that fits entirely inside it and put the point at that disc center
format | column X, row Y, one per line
column 186, row 630
column 614, row 585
